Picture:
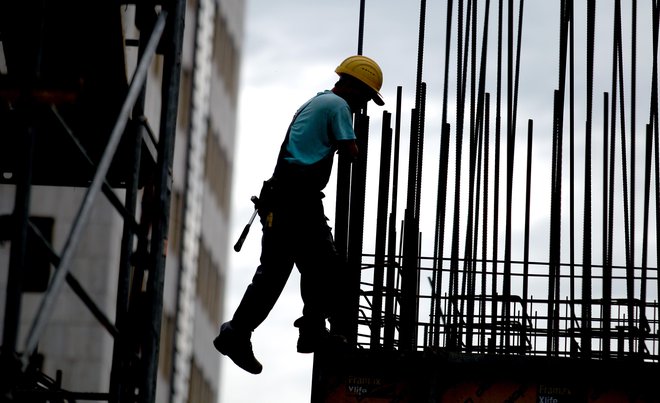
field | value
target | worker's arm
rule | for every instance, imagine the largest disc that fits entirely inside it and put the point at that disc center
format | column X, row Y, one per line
column 348, row 148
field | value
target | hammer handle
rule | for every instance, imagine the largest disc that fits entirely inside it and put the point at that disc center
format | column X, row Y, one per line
column 241, row 239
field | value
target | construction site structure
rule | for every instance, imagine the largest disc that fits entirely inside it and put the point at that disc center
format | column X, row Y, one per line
column 466, row 313
column 111, row 282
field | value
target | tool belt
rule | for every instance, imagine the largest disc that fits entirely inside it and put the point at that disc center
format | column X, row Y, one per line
column 269, row 197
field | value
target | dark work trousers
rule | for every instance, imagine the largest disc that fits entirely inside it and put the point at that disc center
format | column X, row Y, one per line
column 296, row 233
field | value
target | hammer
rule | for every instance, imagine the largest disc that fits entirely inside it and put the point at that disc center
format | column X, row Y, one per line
column 241, row 239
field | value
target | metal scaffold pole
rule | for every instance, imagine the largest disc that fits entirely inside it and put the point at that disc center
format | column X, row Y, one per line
column 163, row 188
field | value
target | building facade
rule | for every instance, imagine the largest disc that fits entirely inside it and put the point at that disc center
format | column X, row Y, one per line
column 201, row 200
column 198, row 241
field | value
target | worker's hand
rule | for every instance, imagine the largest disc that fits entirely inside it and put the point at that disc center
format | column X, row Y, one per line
column 349, row 148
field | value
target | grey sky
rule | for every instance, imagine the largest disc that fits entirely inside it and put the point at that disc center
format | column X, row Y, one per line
column 290, row 52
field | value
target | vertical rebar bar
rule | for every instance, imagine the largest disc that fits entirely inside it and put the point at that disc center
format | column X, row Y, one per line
column 528, row 193
column 651, row 132
column 467, row 301
column 571, row 156
column 381, row 229
column 452, row 319
column 513, row 74
column 361, row 28
column 484, row 237
column 554, row 254
column 627, row 208
column 410, row 272
column 441, row 200
column 356, row 227
column 633, row 133
column 643, row 327
column 606, row 266
column 654, row 123
column 587, row 230
column 389, row 325
column 496, row 185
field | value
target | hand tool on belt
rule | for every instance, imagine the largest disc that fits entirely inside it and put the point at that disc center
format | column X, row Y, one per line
column 241, row 239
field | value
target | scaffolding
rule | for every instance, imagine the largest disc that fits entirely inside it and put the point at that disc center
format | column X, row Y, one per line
column 69, row 117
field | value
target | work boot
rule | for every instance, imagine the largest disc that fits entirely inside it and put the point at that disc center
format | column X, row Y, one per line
column 236, row 345
column 314, row 337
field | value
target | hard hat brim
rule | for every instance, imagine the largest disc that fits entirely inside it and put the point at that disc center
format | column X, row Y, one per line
column 378, row 99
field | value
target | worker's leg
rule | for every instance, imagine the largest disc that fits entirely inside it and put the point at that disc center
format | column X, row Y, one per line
column 269, row 279
column 320, row 269
column 259, row 298
column 318, row 264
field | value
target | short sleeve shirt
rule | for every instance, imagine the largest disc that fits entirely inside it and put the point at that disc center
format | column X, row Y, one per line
column 320, row 123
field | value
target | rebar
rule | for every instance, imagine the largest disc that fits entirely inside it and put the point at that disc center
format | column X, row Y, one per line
column 477, row 300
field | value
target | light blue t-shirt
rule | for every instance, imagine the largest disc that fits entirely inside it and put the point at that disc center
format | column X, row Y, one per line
column 321, row 122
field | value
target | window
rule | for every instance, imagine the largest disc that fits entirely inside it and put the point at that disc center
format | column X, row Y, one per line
column 176, row 212
column 225, row 55
column 218, row 171
column 185, row 94
column 208, row 284
column 199, row 389
column 166, row 344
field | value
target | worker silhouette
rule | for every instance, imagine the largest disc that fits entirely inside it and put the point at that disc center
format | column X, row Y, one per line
column 295, row 229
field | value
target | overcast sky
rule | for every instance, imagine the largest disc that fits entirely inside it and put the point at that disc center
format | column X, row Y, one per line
column 290, row 52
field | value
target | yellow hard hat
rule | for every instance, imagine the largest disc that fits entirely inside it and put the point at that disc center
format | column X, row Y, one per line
column 367, row 71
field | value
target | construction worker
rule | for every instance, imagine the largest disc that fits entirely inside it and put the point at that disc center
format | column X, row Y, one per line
column 295, row 229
